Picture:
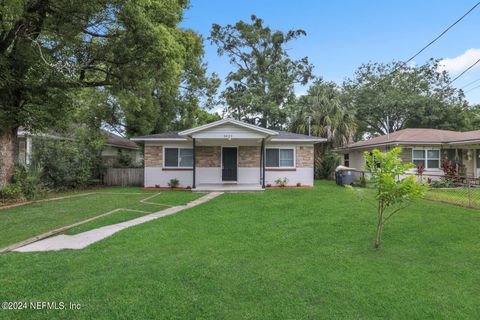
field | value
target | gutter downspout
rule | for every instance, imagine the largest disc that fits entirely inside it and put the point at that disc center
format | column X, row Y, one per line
column 194, row 165
column 263, row 163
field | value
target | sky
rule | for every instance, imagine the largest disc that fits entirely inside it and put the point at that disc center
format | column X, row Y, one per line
column 341, row 35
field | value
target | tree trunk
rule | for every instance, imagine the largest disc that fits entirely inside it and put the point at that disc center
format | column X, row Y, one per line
column 8, row 152
column 378, row 235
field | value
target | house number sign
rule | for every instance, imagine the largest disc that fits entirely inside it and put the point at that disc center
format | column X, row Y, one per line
column 228, row 136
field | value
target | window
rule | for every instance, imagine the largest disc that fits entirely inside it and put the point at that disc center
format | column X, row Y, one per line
column 178, row 157
column 346, row 160
column 430, row 158
column 280, row 157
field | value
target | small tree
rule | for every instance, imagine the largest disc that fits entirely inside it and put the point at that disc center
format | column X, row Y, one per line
column 392, row 194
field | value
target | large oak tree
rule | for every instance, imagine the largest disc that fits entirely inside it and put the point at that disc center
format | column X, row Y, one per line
column 262, row 82
column 393, row 96
column 51, row 49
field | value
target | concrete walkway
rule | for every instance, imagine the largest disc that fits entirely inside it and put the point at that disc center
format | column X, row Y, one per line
column 84, row 239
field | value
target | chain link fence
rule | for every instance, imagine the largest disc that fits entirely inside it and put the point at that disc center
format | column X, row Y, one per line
column 459, row 190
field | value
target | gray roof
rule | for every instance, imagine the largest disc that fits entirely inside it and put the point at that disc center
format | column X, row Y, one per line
column 175, row 135
column 292, row 136
column 418, row 136
column 120, row 142
column 164, row 135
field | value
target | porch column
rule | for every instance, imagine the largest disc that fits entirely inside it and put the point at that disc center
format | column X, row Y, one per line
column 194, row 164
column 263, row 163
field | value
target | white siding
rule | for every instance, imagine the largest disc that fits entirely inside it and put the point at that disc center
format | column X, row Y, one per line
column 300, row 175
column 155, row 176
column 227, row 131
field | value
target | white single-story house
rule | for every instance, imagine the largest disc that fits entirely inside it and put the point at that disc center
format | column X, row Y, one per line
column 228, row 154
column 426, row 147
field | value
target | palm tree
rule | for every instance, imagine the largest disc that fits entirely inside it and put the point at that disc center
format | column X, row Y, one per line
column 331, row 115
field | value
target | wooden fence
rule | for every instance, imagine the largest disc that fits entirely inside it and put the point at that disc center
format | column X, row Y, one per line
column 124, row 177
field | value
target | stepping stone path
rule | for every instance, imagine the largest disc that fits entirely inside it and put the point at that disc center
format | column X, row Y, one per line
column 84, row 239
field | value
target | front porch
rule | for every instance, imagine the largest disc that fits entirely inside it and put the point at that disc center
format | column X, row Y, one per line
column 228, row 187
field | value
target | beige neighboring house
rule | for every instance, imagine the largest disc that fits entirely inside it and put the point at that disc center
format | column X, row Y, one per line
column 423, row 146
column 228, row 155
column 113, row 145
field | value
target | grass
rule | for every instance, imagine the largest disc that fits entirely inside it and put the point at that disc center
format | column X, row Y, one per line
column 281, row 254
column 21, row 223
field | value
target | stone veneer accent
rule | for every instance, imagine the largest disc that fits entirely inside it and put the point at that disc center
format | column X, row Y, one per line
column 153, row 156
column 208, row 157
column 249, row 157
column 305, row 157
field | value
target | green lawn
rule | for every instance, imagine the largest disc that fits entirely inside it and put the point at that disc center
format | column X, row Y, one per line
column 21, row 223
column 281, row 254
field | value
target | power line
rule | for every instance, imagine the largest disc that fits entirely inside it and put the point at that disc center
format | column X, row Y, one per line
column 468, row 84
column 432, row 42
column 472, row 89
column 465, row 71
column 444, row 31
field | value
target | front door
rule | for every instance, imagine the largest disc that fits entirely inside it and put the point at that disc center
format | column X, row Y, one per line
column 229, row 164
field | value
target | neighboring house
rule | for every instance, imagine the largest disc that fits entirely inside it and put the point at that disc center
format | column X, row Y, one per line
column 428, row 147
column 110, row 153
column 116, row 144
column 228, row 152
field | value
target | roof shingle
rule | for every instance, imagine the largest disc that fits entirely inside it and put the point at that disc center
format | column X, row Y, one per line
column 416, row 136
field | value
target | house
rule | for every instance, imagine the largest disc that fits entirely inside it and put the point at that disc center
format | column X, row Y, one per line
column 427, row 147
column 114, row 146
column 228, row 154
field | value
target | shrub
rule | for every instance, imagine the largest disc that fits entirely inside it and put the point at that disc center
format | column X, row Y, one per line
column 299, row 184
column 69, row 163
column 281, row 182
column 450, row 170
column 11, row 192
column 124, row 160
column 173, row 183
column 327, row 165
column 29, row 181
column 25, row 184
column 442, row 184
column 420, row 169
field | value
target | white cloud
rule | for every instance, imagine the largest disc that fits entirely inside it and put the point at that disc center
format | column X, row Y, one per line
column 301, row 93
column 461, row 62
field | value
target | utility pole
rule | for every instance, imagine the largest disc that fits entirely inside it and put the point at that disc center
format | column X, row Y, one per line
column 309, row 125
column 388, row 128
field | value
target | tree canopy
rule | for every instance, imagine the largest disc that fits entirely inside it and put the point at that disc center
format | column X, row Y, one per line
column 264, row 75
column 133, row 52
column 330, row 115
column 394, row 96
